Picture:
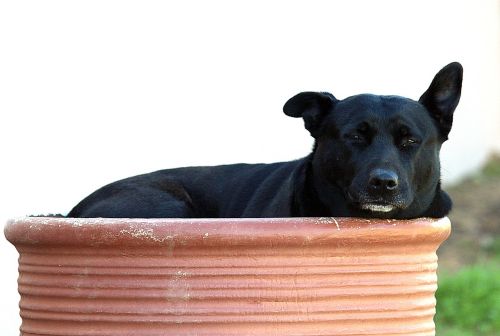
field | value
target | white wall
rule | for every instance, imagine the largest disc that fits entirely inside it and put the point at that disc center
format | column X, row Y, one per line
column 94, row 91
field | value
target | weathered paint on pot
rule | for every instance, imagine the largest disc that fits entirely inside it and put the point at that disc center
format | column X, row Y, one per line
column 288, row 276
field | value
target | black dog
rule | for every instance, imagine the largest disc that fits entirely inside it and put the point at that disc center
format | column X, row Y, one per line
column 374, row 156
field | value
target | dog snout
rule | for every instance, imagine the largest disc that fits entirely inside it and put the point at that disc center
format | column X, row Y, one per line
column 383, row 180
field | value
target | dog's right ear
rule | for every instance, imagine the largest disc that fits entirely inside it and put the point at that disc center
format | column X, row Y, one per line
column 310, row 106
column 443, row 95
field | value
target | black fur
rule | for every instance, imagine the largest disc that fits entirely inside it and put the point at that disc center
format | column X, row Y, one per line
column 374, row 156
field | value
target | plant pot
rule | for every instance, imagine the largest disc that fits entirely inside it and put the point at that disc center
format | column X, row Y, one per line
column 273, row 276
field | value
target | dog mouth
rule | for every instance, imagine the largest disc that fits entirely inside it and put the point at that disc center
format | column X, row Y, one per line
column 377, row 207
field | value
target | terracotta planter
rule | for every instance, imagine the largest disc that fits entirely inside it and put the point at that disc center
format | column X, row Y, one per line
column 289, row 276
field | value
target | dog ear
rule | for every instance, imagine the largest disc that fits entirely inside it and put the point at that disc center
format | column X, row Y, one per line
column 443, row 95
column 310, row 106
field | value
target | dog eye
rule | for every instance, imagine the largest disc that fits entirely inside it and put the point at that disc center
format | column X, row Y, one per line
column 355, row 138
column 407, row 142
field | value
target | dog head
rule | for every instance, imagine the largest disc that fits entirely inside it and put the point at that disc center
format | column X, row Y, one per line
column 381, row 153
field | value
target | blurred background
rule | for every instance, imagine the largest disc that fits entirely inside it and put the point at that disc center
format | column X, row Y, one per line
column 95, row 91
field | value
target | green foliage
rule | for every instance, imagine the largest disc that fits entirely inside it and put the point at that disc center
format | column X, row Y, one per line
column 453, row 331
column 492, row 167
column 468, row 302
column 489, row 171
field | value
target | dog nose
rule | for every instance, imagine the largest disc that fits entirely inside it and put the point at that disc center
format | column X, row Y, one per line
column 383, row 180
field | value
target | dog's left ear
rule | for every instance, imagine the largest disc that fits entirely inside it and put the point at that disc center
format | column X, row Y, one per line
column 312, row 107
column 443, row 95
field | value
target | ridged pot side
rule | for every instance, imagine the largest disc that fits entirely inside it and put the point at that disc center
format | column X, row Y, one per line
column 290, row 276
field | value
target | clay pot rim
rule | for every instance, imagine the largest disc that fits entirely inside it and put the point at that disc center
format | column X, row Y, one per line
column 264, row 232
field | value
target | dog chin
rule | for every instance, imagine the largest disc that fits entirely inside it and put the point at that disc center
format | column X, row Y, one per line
column 373, row 207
